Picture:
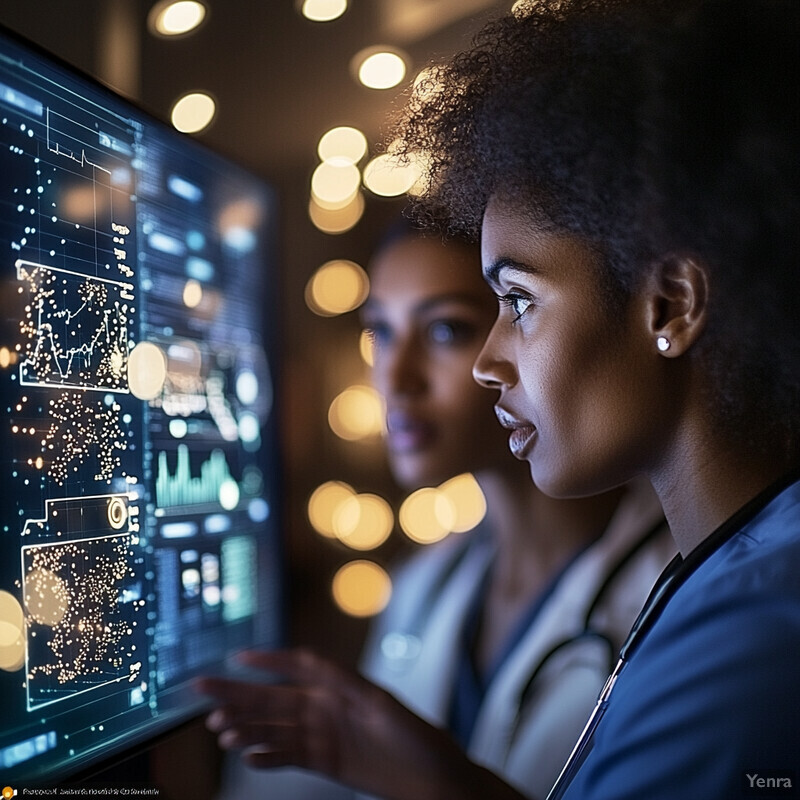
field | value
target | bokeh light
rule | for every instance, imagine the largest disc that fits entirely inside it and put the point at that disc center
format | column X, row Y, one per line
column 323, row 10
column 342, row 142
column 357, row 413
column 427, row 83
column 361, row 588
column 427, row 515
column 7, row 357
column 339, row 220
column 324, row 503
column 229, row 494
column 467, row 500
column 12, row 633
column 176, row 18
column 147, row 371
column 335, row 183
column 388, row 176
column 193, row 112
column 379, row 68
column 337, row 287
column 46, row 596
column 363, row 521
column 192, row 293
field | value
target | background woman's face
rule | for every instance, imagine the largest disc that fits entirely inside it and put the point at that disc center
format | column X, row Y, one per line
column 429, row 312
column 582, row 390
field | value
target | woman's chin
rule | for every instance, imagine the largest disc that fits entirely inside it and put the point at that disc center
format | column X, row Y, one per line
column 413, row 471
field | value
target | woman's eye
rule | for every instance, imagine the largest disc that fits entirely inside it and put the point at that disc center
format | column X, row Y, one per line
column 450, row 332
column 518, row 303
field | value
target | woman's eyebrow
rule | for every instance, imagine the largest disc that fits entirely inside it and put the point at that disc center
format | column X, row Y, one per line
column 491, row 272
column 373, row 306
column 465, row 298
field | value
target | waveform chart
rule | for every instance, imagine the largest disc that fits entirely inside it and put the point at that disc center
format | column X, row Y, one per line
column 75, row 329
column 213, row 486
column 84, row 599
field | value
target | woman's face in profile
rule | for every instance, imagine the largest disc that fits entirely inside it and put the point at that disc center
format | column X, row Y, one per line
column 582, row 389
column 429, row 313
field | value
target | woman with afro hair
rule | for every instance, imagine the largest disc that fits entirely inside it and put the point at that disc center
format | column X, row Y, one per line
column 631, row 171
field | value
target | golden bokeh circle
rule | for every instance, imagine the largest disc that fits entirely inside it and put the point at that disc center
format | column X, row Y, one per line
column 147, row 371
column 361, row 588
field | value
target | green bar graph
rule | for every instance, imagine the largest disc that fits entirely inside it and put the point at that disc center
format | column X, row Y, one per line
column 181, row 488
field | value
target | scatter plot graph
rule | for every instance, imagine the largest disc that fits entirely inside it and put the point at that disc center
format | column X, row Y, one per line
column 75, row 329
column 83, row 598
column 72, row 437
column 83, row 431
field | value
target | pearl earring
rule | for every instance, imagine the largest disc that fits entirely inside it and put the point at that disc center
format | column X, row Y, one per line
column 663, row 343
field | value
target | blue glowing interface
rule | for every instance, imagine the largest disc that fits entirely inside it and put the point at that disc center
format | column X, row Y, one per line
column 137, row 449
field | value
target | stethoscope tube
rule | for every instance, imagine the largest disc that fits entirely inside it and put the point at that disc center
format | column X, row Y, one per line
column 664, row 589
column 589, row 632
column 677, row 572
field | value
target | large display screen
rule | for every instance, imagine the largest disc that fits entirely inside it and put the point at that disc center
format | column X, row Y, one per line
column 138, row 467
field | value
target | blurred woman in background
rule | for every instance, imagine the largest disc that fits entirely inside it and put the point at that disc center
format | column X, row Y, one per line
column 505, row 634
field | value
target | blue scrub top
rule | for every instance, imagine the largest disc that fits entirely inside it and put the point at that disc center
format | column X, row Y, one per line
column 709, row 703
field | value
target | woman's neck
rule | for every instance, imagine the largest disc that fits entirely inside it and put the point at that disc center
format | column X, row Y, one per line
column 706, row 480
column 536, row 534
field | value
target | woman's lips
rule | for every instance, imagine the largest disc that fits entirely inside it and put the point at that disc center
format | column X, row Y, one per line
column 522, row 433
column 407, row 433
column 520, row 441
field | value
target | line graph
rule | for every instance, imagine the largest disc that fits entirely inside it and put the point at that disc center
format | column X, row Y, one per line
column 56, row 149
column 76, row 329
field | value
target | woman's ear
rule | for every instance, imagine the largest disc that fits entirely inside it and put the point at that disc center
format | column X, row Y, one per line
column 677, row 302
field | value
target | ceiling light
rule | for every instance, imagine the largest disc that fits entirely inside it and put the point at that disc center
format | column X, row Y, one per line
column 335, row 183
column 338, row 220
column 193, row 112
column 387, row 176
column 323, row 10
column 343, row 142
column 169, row 18
column 379, row 67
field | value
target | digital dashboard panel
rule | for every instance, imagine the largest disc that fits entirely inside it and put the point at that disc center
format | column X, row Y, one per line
column 138, row 457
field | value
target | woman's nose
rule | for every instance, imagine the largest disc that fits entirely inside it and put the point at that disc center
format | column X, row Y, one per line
column 402, row 371
column 492, row 368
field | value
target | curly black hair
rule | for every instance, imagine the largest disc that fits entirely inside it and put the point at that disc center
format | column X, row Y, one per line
column 646, row 127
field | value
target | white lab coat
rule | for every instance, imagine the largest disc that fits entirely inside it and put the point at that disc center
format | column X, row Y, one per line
column 413, row 649
column 526, row 726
